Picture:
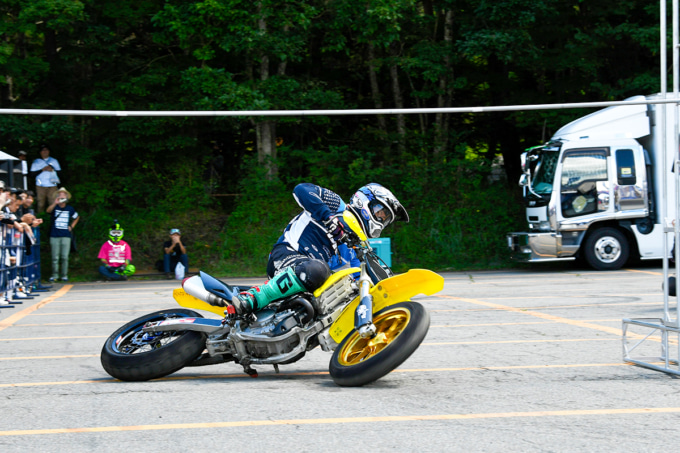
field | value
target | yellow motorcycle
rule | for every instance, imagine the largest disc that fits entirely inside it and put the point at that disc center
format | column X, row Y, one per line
column 368, row 322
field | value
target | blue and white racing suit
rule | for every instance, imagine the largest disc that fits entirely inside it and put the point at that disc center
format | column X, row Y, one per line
column 306, row 237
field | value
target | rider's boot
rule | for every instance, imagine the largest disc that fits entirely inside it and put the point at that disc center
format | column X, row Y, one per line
column 284, row 284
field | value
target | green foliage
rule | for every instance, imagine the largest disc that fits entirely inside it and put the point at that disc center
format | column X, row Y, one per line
column 307, row 54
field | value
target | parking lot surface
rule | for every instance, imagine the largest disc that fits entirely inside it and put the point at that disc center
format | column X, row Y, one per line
column 527, row 360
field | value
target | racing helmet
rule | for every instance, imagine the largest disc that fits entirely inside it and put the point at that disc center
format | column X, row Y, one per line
column 116, row 232
column 376, row 207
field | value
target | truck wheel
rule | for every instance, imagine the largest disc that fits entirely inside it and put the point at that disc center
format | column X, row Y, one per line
column 606, row 249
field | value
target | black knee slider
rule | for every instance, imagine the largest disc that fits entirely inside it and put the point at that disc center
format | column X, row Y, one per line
column 312, row 273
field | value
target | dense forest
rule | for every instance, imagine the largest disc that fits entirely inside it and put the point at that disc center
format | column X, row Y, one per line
column 227, row 181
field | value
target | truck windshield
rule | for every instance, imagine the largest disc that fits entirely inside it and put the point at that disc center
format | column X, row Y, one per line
column 544, row 172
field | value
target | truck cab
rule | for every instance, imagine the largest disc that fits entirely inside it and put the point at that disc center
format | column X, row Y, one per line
column 591, row 192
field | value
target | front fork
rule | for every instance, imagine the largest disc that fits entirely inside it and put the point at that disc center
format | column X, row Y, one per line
column 363, row 316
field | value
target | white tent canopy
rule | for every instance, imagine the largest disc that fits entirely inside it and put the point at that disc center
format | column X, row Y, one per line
column 10, row 171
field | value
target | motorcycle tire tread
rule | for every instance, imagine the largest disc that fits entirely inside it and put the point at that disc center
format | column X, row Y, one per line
column 156, row 363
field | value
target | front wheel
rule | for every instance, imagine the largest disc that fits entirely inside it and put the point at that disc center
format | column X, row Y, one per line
column 130, row 354
column 400, row 328
column 606, row 249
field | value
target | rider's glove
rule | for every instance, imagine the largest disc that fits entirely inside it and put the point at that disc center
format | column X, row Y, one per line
column 337, row 227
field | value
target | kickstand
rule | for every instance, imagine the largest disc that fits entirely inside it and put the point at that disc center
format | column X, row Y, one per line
column 276, row 368
column 252, row 372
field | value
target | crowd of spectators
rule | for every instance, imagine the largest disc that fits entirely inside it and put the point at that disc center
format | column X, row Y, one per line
column 20, row 222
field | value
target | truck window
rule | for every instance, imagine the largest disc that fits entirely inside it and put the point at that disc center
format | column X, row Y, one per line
column 545, row 173
column 580, row 172
column 625, row 167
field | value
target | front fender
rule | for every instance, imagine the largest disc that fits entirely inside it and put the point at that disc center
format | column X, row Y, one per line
column 390, row 291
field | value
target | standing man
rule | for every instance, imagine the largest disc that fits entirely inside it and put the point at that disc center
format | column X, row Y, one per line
column 64, row 220
column 174, row 252
column 47, row 180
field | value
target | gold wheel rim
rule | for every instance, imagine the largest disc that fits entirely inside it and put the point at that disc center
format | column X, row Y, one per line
column 388, row 327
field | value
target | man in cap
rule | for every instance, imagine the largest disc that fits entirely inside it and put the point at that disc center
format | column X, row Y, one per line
column 47, row 180
column 174, row 252
column 64, row 220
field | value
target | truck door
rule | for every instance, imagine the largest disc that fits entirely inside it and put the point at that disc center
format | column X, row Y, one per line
column 583, row 182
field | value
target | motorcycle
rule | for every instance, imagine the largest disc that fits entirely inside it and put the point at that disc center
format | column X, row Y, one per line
column 369, row 323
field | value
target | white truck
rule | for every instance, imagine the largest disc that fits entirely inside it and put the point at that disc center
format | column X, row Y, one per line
column 595, row 190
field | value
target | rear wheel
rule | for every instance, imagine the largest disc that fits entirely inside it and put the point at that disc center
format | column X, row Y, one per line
column 400, row 330
column 130, row 354
column 606, row 249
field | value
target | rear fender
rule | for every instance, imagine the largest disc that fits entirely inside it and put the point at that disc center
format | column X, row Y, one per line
column 390, row 291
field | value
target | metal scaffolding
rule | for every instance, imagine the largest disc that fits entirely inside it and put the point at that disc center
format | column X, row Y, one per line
column 657, row 347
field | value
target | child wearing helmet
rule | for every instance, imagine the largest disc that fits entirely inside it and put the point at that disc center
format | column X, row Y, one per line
column 299, row 261
column 115, row 255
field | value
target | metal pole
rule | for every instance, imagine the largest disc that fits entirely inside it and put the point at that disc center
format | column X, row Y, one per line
column 298, row 113
column 663, row 66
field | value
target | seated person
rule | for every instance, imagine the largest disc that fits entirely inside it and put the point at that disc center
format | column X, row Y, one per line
column 174, row 252
column 115, row 255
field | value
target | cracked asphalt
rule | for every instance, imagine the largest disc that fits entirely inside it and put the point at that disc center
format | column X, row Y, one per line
column 522, row 360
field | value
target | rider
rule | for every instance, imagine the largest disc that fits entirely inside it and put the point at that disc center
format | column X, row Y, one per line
column 299, row 260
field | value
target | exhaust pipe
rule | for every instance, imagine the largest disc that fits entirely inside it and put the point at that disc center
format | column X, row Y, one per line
column 194, row 287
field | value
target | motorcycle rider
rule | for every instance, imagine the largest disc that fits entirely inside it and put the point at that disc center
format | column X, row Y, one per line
column 299, row 260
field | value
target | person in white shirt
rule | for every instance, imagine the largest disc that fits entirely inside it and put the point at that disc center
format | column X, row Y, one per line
column 47, row 180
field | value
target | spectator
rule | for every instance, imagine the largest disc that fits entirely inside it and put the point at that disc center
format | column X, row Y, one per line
column 28, row 217
column 174, row 252
column 115, row 255
column 24, row 169
column 47, row 180
column 64, row 220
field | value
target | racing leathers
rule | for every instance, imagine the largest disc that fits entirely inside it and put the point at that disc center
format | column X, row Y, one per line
column 299, row 261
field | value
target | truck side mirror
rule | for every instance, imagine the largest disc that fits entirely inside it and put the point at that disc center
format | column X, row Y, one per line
column 524, row 180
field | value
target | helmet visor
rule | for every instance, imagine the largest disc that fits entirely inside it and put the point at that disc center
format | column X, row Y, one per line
column 382, row 213
column 116, row 233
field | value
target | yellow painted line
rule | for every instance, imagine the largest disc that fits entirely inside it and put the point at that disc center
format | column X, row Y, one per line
column 549, row 307
column 127, row 288
column 496, row 324
column 50, row 338
column 643, row 272
column 554, row 296
column 10, row 321
column 159, row 303
column 559, row 319
column 537, row 314
column 70, row 323
column 346, row 420
column 492, row 324
column 124, row 299
column 85, row 312
column 49, row 357
column 320, row 373
column 518, row 341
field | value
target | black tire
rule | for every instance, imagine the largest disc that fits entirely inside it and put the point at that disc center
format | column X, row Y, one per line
column 128, row 357
column 355, row 362
column 606, row 249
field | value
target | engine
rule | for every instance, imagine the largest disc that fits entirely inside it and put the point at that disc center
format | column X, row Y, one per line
column 270, row 324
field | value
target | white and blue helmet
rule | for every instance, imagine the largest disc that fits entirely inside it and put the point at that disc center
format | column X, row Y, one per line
column 376, row 207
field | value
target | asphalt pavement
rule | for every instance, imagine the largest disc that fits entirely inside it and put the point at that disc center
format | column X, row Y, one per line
column 527, row 360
